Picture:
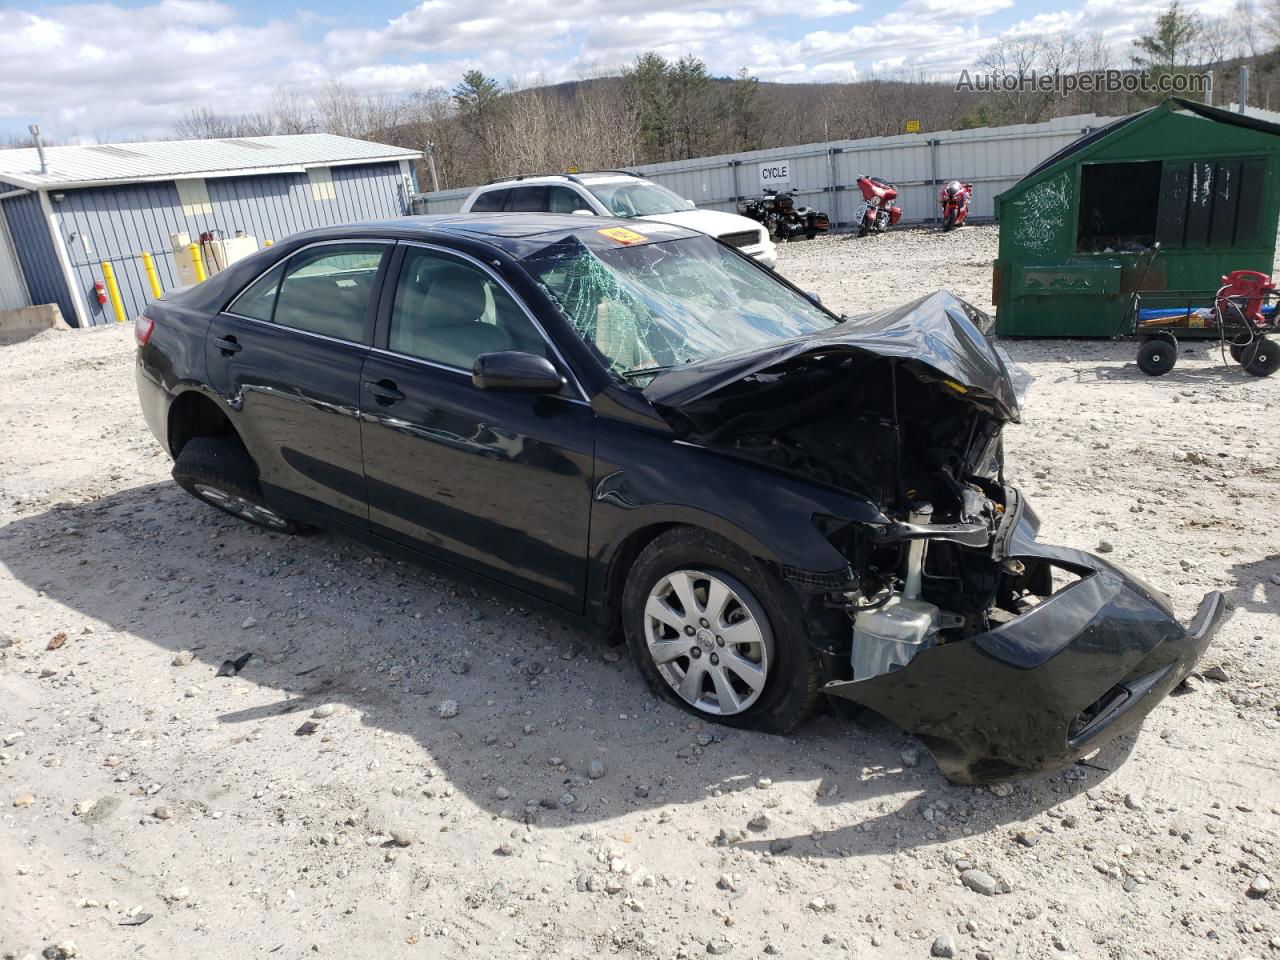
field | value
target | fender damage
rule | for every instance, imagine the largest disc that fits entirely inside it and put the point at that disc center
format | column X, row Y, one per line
column 1004, row 655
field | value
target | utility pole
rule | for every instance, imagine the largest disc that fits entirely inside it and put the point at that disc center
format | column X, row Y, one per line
column 1244, row 88
column 431, row 165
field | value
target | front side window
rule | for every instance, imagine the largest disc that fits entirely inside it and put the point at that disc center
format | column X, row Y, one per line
column 657, row 305
column 565, row 200
column 327, row 289
column 449, row 311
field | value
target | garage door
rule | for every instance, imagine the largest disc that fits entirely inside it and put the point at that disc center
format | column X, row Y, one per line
column 13, row 289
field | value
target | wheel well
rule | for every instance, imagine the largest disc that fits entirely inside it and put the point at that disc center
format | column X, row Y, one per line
column 624, row 559
column 195, row 415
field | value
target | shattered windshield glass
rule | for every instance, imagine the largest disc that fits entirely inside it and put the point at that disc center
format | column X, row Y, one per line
column 637, row 198
column 656, row 305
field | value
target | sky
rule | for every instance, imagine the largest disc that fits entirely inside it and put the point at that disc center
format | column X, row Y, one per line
column 121, row 70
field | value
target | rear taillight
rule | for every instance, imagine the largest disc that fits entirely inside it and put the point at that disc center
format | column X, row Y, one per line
column 142, row 328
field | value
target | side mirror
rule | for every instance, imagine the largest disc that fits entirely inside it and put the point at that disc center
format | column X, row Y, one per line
column 515, row 372
column 582, row 212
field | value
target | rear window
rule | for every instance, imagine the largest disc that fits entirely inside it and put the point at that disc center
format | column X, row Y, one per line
column 491, row 201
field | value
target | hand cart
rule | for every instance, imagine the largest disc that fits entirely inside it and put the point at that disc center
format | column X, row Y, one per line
column 1239, row 314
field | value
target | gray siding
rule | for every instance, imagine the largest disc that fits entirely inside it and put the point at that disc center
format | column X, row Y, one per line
column 34, row 246
column 116, row 223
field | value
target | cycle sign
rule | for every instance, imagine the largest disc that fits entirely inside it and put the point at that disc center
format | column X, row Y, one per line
column 775, row 174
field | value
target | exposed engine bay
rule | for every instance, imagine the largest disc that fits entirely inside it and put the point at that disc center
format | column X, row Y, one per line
column 923, row 448
column 915, row 445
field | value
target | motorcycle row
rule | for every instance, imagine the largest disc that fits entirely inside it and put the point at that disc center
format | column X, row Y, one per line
column 785, row 220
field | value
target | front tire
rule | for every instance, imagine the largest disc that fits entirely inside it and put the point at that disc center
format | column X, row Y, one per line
column 949, row 223
column 715, row 632
column 220, row 472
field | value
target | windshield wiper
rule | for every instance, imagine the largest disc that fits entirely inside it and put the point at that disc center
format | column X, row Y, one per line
column 644, row 372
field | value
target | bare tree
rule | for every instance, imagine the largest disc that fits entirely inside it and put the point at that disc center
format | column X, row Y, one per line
column 1015, row 61
column 292, row 112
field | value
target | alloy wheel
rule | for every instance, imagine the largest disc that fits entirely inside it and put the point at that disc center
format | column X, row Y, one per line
column 709, row 639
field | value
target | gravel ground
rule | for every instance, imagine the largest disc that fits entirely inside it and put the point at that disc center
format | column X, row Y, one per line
column 407, row 767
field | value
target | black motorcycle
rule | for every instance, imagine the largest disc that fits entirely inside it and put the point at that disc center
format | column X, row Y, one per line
column 782, row 218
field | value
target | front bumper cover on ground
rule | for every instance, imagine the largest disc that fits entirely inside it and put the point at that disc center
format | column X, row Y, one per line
column 1050, row 686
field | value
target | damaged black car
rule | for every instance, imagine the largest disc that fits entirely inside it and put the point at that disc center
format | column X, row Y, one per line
column 647, row 433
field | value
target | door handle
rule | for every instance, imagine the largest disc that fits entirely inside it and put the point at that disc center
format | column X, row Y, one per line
column 228, row 345
column 384, row 391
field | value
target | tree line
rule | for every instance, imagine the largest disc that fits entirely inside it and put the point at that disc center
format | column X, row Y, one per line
column 659, row 109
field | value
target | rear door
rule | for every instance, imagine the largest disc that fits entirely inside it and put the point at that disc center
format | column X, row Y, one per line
column 286, row 355
column 498, row 483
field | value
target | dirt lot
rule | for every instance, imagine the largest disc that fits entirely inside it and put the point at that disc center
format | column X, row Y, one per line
column 136, row 782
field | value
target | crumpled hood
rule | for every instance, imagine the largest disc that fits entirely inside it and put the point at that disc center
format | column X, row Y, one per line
column 940, row 334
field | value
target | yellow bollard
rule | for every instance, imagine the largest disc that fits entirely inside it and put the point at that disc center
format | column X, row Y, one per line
column 197, row 261
column 266, row 243
column 113, row 291
column 149, row 265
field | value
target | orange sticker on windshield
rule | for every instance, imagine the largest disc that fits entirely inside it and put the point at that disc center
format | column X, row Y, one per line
column 624, row 236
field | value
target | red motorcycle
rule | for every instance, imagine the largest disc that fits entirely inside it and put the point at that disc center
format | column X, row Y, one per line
column 878, row 212
column 955, row 197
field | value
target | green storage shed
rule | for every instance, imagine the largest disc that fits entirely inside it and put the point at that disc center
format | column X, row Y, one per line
column 1079, row 233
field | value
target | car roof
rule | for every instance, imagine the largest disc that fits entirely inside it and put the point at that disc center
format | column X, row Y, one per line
column 510, row 232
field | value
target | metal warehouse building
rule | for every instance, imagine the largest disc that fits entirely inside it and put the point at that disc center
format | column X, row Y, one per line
column 64, row 211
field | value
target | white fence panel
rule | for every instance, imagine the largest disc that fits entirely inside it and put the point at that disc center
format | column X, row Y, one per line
column 824, row 175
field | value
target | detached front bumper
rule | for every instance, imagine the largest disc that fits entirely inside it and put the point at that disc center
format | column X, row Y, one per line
column 1047, row 687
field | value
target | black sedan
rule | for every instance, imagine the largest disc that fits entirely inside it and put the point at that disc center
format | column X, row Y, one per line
column 646, row 432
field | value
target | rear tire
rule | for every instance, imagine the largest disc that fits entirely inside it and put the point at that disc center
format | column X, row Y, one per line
column 1157, row 357
column 1260, row 358
column 759, row 607
column 220, row 472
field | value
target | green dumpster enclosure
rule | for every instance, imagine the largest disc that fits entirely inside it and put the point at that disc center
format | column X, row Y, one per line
column 1079, row 233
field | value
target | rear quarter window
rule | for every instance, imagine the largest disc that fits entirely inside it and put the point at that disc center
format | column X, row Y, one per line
column 258, row 300
column 491, row 201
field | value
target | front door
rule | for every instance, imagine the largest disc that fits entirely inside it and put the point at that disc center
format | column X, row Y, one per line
column 287, row 356
column 498, row 483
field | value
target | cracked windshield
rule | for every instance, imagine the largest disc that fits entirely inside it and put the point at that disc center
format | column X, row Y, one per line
column 657, row 305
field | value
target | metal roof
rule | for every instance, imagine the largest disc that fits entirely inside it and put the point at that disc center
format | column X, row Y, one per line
column 78, row 166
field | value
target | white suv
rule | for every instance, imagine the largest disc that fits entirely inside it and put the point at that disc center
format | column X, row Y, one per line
column 617, row 193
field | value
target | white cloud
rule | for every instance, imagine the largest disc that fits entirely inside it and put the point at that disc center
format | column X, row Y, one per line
column 139, row 68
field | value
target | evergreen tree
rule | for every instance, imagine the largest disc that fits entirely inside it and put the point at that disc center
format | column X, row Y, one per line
column 649, row 88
